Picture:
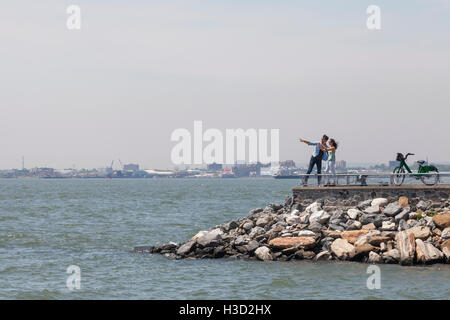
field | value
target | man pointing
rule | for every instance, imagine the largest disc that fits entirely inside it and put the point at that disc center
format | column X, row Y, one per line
column 316, row 158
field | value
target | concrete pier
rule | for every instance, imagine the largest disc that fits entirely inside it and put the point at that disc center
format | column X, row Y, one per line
column 359, row 193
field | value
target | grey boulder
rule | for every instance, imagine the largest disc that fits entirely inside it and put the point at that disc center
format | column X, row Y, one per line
column 372, row 209
column 185, row 248
column 392, row 209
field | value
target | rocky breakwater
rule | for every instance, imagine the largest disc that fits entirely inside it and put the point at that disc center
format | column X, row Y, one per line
column 381, row 230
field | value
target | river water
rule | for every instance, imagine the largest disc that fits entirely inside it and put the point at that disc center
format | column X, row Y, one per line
column 48, row 225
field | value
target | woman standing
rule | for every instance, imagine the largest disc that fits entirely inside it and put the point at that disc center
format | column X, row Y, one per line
column 331, row 163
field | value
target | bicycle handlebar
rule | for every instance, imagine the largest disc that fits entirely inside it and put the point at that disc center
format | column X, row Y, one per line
column 408, row 154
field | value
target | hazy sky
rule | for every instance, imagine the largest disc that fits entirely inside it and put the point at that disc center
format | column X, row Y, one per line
column 137, row 70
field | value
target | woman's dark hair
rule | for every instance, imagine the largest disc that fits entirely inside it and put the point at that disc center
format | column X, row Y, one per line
column 334, row 143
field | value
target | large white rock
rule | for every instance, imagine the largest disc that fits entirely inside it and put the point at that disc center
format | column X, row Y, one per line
column 342, row 249
column 313, row 207
column 263, row 253
column 379, row 202
column 211, row 238
column 406, row 247
column 319, row 216
column 426, row 252
column 353, row 213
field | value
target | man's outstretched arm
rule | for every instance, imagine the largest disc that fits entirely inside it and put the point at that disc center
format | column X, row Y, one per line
column 307, row 142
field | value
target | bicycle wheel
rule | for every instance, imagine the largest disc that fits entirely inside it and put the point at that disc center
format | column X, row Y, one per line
column 431, row 178
column 398, row 176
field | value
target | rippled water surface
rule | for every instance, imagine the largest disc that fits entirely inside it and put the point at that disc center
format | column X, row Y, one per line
column 48, row 225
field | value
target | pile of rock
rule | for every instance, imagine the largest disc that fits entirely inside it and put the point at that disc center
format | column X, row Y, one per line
column 381, row 230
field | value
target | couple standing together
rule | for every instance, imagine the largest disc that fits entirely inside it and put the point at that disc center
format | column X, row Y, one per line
column 322, row 152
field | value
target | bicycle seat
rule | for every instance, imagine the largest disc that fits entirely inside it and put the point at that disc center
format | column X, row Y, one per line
column 421, row 162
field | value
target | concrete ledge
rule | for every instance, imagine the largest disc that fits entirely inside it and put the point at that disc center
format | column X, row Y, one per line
column 360, row 193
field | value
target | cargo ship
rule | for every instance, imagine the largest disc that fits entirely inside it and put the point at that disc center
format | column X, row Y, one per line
column 287, row 173
column 286, row 176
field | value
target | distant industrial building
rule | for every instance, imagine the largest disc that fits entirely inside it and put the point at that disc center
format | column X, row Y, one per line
column 131, row 167
column 214, row 167
column 249, row 170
